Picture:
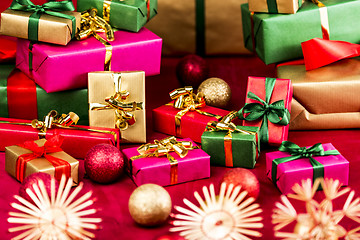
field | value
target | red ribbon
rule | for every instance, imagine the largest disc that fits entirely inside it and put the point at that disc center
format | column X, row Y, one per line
column 7, row 49
column 52, row 145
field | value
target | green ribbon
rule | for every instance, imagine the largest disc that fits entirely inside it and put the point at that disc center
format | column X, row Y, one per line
column 50, row 8
column 274, row 112
column 302, row 152
column 200, row 27
column 272, row 6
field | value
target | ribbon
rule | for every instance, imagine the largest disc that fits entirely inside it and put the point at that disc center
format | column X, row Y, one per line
column 200, row 27
column 272, row 6
column 50, row 8
column 324, row 19
column 275, row 112
column 107, row 8
column 51, row 146
column 302, row 152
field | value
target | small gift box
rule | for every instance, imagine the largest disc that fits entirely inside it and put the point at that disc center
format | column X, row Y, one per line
column 292, row 163
column 187, row 116
column 267, row 106
column 275, row 6
column 230, row 145
column 55, row 23
column 117, row 100
column 166, row 162
column 41, row 155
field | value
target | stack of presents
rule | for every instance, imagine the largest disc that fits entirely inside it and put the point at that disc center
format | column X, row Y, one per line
column 89, row 67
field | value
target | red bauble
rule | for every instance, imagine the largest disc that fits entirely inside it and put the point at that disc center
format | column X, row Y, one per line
column 104, row 163
column 244, row 178
column 192, row 70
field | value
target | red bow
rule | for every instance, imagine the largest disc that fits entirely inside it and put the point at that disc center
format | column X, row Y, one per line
column 51, row 146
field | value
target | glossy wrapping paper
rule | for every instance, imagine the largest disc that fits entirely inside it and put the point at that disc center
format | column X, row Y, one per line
column 58, row 68
column 278, row 37
column 245, row 147
column 7, row 49
column 193, row 124
column 76, row 142
column 289, row 173
column 128, row 15
column 196, row 165
column 275, row 6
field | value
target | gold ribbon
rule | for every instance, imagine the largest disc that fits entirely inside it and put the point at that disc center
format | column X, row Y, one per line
column 162, row 148
column 324, row 19
column 107, row 6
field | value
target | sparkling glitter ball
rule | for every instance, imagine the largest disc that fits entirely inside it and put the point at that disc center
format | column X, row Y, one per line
column 104, row 163
column 216, row 91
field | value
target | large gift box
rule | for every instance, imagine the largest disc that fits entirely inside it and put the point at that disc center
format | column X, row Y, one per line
column 128, row 15
column 58, row 68
column 166, row 162
column 40, row 156
column 117, row 99
column 278, row 37
column 275, row 6
column 292, row 164
column 268, row 105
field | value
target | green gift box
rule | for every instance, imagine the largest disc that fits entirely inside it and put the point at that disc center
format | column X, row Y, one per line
column 239, row 150
column 278, row 37
column 21, row 98
column 128, row 15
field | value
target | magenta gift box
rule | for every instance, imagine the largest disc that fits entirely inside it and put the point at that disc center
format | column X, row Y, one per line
column 57, row 68
column 289, row 173
column 195, row 165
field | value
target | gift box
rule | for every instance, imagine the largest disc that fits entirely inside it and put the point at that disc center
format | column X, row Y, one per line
column 275, row 6
column 268, row 105
column 287, row 168
column 23, row 160
column 21, row 98
column 278, row 37
column 129, row 115
column 167, row 170
column 52, row 67
column 126, row 15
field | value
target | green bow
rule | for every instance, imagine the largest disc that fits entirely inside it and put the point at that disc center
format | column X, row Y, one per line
column 274, row 112
column 50, row 8
column 302, row 152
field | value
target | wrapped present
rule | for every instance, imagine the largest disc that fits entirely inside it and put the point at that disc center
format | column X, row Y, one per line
column 50, row 65
column 52, row 22
column 166, row 162
column 292, row 163
column 78, row 140
column 275, row 6
column 230, row 145
column 21, row 98
column 117, row 100
column 267, row 106
column 125, row 15
column 41, row 155
column 186, row 116
column 278, row 37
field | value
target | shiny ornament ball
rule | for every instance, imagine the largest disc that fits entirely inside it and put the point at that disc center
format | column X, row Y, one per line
column 104, row 163
column 150, row 205
column 216, row 91
column 192, row 70
column 244, row 178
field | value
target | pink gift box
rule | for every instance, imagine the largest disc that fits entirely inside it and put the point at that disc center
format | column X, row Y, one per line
column 289, row 173
column 195, row 165
column 57, row 68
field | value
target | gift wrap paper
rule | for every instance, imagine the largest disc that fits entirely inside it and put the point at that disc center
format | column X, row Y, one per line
column 52, row 29
column 289, row 173
column 278, row 37
column 101, row 86
column 58, row 68
column 245, row 148
column 275, row 6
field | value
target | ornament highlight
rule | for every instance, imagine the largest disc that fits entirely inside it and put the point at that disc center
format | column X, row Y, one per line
column 192, row 70
column 216, row 91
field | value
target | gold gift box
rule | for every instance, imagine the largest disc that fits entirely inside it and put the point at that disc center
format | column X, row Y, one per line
column 39, row 164
column 324, row 98
column 52, row 29
column 101, row 85
column 283, row 6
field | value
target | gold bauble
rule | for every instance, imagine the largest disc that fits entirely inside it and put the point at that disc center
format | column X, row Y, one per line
column 216, row 91
column 150, row 205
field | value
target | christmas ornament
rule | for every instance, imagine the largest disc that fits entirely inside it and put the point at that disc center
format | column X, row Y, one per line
column 150, row 205
column 55, row 215
column 228, row 216
column 104, row 163
column 320, row 221
column 244, row 178
column 192, row 70
column 216, row 91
